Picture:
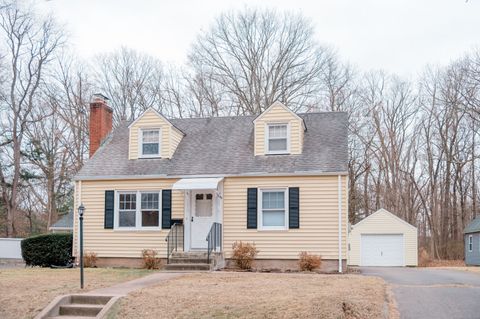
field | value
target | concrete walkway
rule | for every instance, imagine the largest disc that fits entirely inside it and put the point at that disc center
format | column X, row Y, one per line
column 125, row 288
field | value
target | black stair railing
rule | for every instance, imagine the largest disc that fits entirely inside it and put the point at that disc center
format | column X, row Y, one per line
column 214, row 240
column 174, row 239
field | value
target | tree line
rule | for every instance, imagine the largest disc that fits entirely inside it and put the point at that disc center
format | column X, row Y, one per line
column 413, row 144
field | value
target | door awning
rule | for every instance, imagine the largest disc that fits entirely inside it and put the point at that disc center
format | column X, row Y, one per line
column 197, row 183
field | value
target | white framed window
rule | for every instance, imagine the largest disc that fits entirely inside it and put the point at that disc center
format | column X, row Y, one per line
column 150, row 209
column 273, row 212
column 150, row 142
column 127, row 208
column 470, row 243
column 138, row 210
column 278, row 138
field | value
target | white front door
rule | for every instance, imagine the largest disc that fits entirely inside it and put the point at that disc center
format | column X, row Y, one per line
column 382, row 250
column 202, row 217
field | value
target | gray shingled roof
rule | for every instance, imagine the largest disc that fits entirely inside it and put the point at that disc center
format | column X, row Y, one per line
column 224, row 146
column 473, row 226
column 66, row 221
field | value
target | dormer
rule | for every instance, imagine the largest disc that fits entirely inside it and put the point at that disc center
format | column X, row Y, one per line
column 151, row 135
column 278, row 131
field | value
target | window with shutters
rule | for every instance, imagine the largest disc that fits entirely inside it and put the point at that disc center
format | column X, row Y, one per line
column 277, row 139
column 273, row 209
column 150, row 143
column 127, row 209
column 150, row 210
column 138, row 210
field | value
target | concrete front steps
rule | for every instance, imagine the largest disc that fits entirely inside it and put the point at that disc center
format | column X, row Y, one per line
column 190, row 261
column 78, row 306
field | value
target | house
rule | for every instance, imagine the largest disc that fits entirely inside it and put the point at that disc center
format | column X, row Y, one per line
column 472, row 242
column 383, row 239
column 64, row 224
column 278, row 180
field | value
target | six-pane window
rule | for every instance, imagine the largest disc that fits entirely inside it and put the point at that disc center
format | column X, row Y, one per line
column 273, row 209
column 127, row 210
column 277, row 138
column 470, row 243
column 150, row 210
column 151, row 142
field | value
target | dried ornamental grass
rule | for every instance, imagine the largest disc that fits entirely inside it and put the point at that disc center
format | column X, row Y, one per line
column 244, row 254
column 150, row 259
column 90, row 260
column 309, row 262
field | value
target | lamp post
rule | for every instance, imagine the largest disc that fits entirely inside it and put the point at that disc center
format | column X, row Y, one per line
column 81, row 209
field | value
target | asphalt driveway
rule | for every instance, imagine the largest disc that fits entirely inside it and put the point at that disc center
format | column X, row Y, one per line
column 423, row 293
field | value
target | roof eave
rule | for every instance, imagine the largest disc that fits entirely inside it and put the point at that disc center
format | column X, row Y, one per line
column 252, row 174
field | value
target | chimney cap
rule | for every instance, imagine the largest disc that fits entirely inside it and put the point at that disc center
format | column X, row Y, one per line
column 100, row 96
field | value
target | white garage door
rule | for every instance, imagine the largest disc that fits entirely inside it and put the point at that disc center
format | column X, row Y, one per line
column 382, row 250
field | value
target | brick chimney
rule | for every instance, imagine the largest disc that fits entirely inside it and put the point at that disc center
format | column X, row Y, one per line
column 100, row 121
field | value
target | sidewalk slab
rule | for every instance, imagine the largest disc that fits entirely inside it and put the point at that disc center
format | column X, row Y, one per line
column 125, row 288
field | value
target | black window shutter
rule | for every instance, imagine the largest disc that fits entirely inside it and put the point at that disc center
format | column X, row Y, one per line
column 252, row 208
column 166, row 208
column 109, row 209
column 294, row 207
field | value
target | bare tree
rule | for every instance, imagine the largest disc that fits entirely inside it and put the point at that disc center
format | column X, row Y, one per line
column 259, row 57
column 131, row 80
column 30, row 46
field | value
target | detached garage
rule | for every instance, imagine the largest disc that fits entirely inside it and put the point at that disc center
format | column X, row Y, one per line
column 382, row 239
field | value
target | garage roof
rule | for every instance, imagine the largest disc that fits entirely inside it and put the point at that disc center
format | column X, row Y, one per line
column 384, row 211
column 473, row 226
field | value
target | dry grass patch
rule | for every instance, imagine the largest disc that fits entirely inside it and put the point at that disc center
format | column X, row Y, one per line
column 464, row 268
column 445, row 263
column 25, row 292
column 259, row 295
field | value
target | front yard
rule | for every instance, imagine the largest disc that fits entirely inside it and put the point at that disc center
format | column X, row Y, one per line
column 25, row 292
column 259, row 295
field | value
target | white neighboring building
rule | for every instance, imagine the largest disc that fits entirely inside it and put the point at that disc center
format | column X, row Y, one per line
column 383, row 239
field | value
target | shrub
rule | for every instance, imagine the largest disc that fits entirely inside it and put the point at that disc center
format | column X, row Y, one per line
column 90, row 260
column 244, row 254
column 150, row 259
column 47, row 250
column 309, row 262
column 424, row 258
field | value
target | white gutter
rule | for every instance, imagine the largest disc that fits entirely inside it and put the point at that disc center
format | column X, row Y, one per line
column 157, row 176
column 340, row 223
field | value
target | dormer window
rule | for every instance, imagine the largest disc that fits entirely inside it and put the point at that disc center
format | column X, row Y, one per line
column 150, row 143
column 277, row 139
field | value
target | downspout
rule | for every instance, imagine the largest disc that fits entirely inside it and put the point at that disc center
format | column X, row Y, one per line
column 340, row 270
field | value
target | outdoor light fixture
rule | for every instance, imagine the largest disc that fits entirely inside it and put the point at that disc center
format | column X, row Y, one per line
column 81, row 209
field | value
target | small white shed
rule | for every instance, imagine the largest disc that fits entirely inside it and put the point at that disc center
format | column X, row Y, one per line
column 382, row 239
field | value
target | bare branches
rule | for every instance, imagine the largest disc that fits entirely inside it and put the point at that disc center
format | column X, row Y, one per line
column 30, row 46
column 132, row 80
column 259, row 57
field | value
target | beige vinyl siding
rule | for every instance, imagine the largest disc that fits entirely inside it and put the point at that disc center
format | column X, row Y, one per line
column 318, row 232
column 278, row 114
column 175, row 138
column 121, row 243
column 382, row 222
column 150, row 119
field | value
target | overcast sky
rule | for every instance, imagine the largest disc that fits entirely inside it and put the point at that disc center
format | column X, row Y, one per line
column 400, row 36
